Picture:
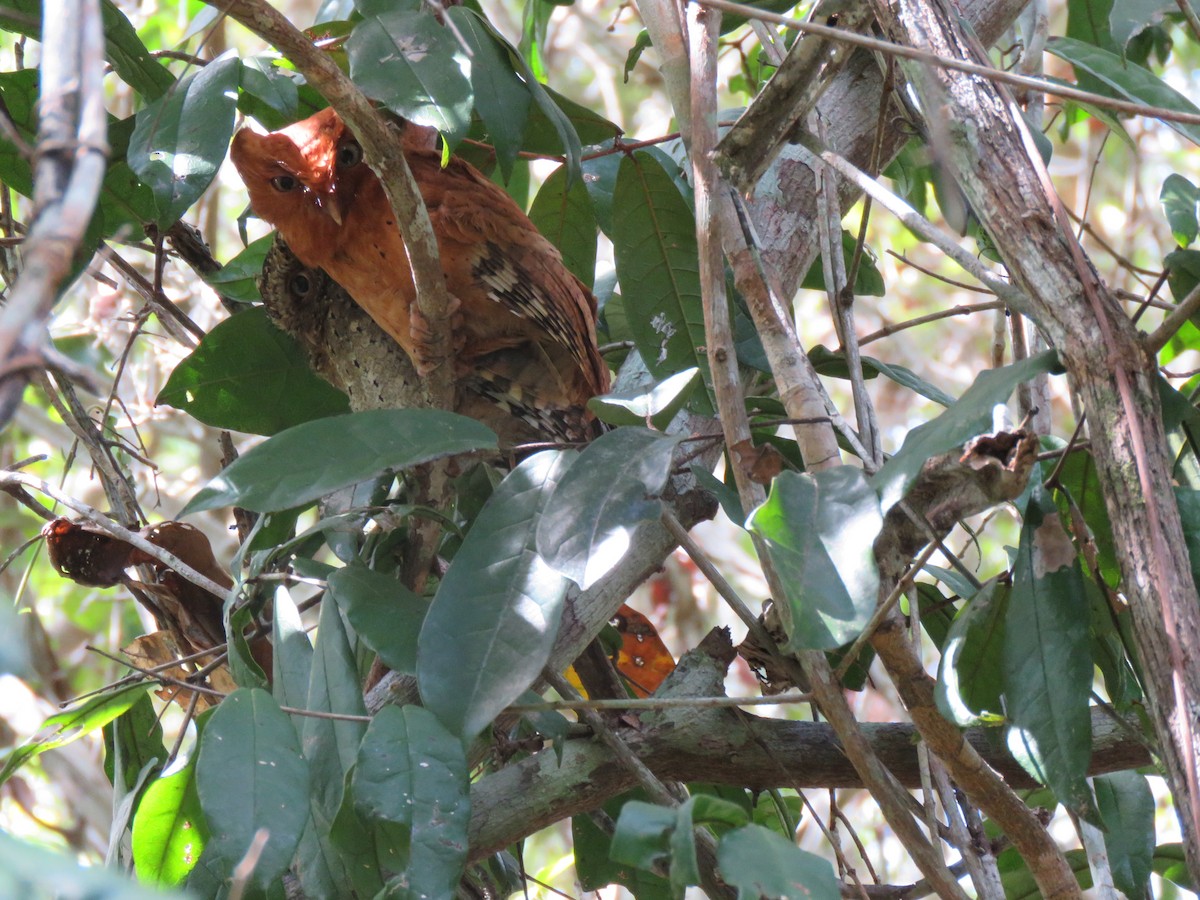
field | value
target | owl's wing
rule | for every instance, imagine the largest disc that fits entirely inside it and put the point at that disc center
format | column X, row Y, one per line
column 510, row 261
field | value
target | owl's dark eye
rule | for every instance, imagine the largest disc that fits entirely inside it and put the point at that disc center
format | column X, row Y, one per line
column 349, row 155
column 300, row 285
column 285, row 183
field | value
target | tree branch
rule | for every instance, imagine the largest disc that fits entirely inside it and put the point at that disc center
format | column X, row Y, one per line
column 727, row 746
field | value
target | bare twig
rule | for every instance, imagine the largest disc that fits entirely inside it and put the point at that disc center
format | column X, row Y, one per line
column 69, row 167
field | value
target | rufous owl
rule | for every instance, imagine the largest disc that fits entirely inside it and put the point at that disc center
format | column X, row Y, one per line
column 522, row 320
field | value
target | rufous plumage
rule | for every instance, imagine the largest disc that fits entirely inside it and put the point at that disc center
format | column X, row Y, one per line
column 522, row 322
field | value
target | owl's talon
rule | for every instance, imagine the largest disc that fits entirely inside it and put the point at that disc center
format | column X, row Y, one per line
column 424, row 359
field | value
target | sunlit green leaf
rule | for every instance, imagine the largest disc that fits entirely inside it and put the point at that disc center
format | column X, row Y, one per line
column 1180, row 198
column 819, row 532
column 495, row 616
column 612, row 487
column 180, row 140
column 67, row 726
column 169, row 830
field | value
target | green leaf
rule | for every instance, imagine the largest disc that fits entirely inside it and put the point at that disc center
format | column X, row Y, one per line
column 868, row 280
column 130, row 59
column 641, row 836
column 308, row 461
column 827, row 362
column 133, row 741
column 760, row 863
column 495, row 616
column 594, row 865
column 66, row 726
column 657, row 403
column 411, row 779
column 359, row 850
column 969, row 681
column 1127, row 807
column 169, row 829
column 970, row 416
column 414, row 67
column 292, row 652
column 273, row 87
column 1078, row 477
column 180, row 140
column 502, row 99
column 1047, row 659
column 1183, row 272
column 1170, row 862
column 646, row 835
column 331, row 747
column 385, row 614
column 250, row 776
column 1180, row 198
column 247, row 375
column 600, row 179
column 657, row 265
column 819, row 532
column 1126, row 80
column 1189, row 515
column 238, row 278
column 564, row 215
column 612, row 487
column 1130, row 17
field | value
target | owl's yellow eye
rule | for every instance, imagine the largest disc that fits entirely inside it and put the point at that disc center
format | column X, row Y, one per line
column 284, row 183
column 349, row 155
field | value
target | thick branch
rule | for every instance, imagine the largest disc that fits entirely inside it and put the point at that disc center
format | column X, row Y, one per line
column 727, row 746
column 994, row 161
column 69, row 167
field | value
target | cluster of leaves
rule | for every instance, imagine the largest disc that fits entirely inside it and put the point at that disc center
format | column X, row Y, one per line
column 384, row 806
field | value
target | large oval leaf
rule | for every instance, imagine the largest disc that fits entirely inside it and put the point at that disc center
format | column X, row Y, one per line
column 169, row 829
column 564, row 215
column 414, row 67
column 501, row 98
column 250, row 776
column 1048, row 659
column 611, row 488
column 762, row 863
column 247, row 375
column 969, row 674
column 819, row 531
column 658, row 267
column 180, row 139
column 1127, row 806
column 495, row 616
column 385, row 614
column 1127, row 80
column 411, row 782
column 308, row 461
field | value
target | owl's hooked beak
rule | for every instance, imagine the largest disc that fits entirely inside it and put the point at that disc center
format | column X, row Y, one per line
column 327, row 201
